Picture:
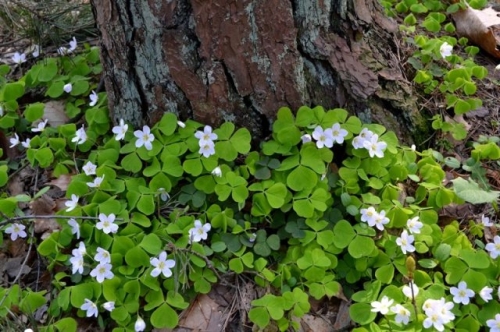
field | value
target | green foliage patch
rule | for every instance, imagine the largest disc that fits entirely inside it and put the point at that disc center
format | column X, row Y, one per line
column 155, row 216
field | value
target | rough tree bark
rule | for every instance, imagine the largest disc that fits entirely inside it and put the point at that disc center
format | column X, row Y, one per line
column 241, row 60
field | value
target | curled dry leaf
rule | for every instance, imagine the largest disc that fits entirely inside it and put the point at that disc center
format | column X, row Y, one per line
column 482, row 27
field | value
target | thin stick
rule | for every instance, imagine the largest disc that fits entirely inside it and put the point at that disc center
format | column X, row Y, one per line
column 52, row 216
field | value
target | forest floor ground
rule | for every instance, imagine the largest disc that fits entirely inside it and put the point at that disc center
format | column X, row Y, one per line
column 225, row 306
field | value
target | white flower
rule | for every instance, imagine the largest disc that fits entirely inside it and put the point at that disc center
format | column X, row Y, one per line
column 438, row 313
column 381, row 220
column 72, row 45
column 62, row 50
column 162, row 265
column 75, row 227
column 374, row 147
column 407, row 290
column 72, row 204
column 494, row 248
column 199, row 232
column 90, row 308
column 36, row 51
column 140, row 325
column 16, row 230
column 252, row 237
column 76, row 262
column 445, row 49
column 338, row 133
column 485, row 293
column 109, row 306
column 40, row 127
column 144, row 137
column 306, row 138
column 461, row 294
column 68, row 87
column 102, row 256
column 358, row 142
column 163, row 194
column 28, row 330
column 93, row 99
column 366, row 134
column 402, row 314
column 1, row 110
column 89, row 168
column 80, row 136
column 217, row 171
column 486, row 221
column 413, row 147
column 405, row 242
column 102, row 271
column 324, row 138
column 497, row 67
column 414, row 225
column 19, row 58
column 26, row 144
column 369, row 216
column 181, row 124
column 434, row 319
column 494, row 324
column 382, row 306
column 14, row 141
column 96, row 183
column 81, row 250
column 207, row 149
column 107, row 223
column 205, row 136
column 120, row 130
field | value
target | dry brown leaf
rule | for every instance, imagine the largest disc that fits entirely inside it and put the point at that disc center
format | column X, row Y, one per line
column 44, row 206
column 62, row 182
column 480, row 112
column 55, row 114
column 482, row 27
column 15, row 185
column 14, row 266
column 343, row 318
column 203, row 315
column 310, row 323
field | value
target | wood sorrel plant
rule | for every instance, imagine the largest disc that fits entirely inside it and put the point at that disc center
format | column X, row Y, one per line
column 437, row 62
column 156, row 215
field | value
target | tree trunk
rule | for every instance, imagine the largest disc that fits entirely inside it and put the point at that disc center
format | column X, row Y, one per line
column 241, row 60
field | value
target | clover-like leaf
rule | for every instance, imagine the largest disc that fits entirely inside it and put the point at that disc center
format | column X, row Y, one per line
column 164, row 317
column 469, row 191
column 167, row 124
column 361, row 246
column 152, row 244
column 34, row 112
column 259, row 316
column 132, row 163
column 301, row 178
column 276, row 195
